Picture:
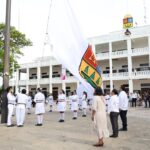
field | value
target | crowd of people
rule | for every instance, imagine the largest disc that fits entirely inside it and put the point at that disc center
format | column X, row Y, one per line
column 115, row 104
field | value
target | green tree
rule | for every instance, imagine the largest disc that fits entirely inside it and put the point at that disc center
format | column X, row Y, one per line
column 18, row 41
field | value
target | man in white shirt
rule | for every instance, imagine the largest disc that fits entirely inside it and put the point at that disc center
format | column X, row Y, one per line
column 134, row 99
column 123, row 106
column 22, row 99
column 113, row 110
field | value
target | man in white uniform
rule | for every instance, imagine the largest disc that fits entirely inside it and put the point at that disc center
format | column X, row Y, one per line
column 39, row 99
column 22, row 99
column 74, row 105
column 61, row 105
column 107, row 98
column 123, row 107
column 11, row 102
column 50, row 102
column 84, row 103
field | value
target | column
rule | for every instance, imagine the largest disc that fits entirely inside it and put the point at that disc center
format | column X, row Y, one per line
column 130, row 86
column 38, row 76
column 149, row 49
column 17, row 81
column 50, row 78
column 130, row 65
column 110, row 66
column 93, row 48
column 63, row 73
column 27, row 80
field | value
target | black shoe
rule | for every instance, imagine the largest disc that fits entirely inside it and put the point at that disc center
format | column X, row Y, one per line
column 113, row 136
column 74, row 118
column 83, row 115
column 123, row 129
column 20, row 126
column 38, row 124
column 12, row 125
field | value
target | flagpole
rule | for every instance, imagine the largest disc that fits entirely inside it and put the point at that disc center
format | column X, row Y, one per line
column 6, row 60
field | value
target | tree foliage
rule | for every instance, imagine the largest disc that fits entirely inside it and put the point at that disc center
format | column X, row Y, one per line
column 18, row 41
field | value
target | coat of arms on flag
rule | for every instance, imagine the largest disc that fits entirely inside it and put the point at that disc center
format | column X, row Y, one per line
column 89, row 68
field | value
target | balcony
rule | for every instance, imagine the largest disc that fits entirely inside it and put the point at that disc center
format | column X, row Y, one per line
column 141, row 74
column 106, row 77
column 140, row 51
column 122, row 53
column 45, row 81
column 102, row 56
column 120, row 76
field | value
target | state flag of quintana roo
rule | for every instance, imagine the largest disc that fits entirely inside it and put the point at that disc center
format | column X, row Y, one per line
column 70, row 47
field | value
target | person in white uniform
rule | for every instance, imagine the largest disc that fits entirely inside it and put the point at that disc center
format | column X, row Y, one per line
column 29, row 104
column 22, row 99
column 50, row 102
column 74, row 105
column 123, row 107
column 11, row 102
column 39, row 99
column 84, row 103
column 107, row 98
column 61, row 105
column 113, row 110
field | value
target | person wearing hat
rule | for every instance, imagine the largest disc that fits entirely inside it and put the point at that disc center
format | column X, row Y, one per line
column 61, row 105
column 50, row 102
column 39, row 99
column 74, row 105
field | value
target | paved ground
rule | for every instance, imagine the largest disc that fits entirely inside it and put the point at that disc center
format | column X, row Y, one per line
column 75, row 135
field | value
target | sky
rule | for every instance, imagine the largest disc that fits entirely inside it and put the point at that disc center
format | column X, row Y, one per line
column 96, row 17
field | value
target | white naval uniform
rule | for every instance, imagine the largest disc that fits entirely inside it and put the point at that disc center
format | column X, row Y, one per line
column 74, row 103
column 61, row 106
column 11, row 103
column 20, row 109
column 29, row 103
column 39, row 99
column 84, row 102
column 50, row 100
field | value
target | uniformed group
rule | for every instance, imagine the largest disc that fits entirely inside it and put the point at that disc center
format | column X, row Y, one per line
column 23, row 103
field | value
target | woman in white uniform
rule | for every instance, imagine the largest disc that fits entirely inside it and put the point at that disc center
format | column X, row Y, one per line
column 29, row 104
column 39, row 99
column 61, row 105
column 11, row 103
column 74, row 105
column 50, row 102
column 84, row 103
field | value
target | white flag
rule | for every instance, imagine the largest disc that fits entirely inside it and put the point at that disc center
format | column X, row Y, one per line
column 70, row 47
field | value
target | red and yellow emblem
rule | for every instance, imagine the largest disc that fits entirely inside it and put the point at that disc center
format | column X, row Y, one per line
column 89, row 69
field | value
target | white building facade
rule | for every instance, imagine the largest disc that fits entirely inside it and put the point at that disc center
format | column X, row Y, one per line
column 124, row 60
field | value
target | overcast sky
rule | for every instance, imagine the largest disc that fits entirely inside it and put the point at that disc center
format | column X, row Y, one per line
column 96, row 17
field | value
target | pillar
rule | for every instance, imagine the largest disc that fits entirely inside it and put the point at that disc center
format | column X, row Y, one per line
column 130, row 86
column 149, row 49
column 110, row 66
column 50, row 78
column 17, row 81
column 129, row 58
column 38, row 76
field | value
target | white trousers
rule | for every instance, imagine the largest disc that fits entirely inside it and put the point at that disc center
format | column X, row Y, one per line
column 40, row 119
column 10, row 113
column 20, row 114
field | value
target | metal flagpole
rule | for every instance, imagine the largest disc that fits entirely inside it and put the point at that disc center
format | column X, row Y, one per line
column 6, row 61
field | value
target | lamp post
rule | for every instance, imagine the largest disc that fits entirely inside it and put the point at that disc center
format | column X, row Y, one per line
column 6, row 60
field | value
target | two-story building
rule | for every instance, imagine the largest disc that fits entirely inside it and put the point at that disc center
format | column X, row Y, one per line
column 124, row 60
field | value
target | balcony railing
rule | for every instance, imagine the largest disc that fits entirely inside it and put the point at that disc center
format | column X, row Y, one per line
column 122, row 53
column 141, row 74
column 139, row 51
column 104, row 55
column 120, row 75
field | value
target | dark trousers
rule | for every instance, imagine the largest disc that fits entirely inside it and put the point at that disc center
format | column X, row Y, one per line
column 114, row 122
column 147, row 101
column 134, row 102
column 123, row 116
